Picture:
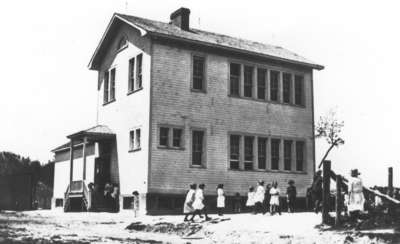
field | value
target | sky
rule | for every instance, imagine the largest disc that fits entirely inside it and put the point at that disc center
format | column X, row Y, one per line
column 47, row 91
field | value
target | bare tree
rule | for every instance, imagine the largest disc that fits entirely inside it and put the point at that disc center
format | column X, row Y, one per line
column 329, row 127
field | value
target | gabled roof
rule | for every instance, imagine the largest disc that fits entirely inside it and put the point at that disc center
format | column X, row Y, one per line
column 200, row 37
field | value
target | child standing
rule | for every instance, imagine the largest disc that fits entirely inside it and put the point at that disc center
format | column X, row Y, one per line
column 220, row 199
column 135, row 203
column 291, row 196
column 188, row 205
column 250, row 199
column 274, row 202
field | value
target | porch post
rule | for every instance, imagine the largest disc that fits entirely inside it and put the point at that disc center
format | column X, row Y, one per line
column 71, row 160
column 84, row 157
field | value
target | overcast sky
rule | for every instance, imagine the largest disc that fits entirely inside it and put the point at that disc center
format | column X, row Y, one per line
column 47, row 92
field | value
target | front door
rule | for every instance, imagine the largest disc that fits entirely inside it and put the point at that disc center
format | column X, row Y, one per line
column 102, row 171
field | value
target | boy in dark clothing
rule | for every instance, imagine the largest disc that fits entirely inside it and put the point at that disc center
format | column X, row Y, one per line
column 291, row 196
column 317, row 191
column 267, row 198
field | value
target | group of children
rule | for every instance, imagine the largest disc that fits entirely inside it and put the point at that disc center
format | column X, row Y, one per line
column 259, row 200
column 266, row 199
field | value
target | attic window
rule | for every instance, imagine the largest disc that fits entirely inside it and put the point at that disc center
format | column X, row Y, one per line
column 123, row 42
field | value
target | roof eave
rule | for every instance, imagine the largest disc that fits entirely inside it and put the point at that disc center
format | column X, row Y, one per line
column 310, row 65
column 92, row 64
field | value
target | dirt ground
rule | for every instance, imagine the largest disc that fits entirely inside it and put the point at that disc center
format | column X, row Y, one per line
column 54, row 226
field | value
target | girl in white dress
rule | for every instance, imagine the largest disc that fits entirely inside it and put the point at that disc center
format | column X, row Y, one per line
column 274, row 202
column 188, row 205
column 220, row 199
column 198, row 203
column 250, row 199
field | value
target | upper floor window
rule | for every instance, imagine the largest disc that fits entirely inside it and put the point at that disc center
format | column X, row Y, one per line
column 234, row 79
column 123, row 42
column 134, row 140
column 198, row 144
column 109, row 86
column 176, row 137
column 274, row 86
column 287, row 87
column 198, row 77
column 299, row 90
column 248, row 81
column 139, row 68
column 131, row 76
column 261, row 83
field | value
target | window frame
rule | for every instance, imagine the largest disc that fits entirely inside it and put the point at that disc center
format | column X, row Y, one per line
column 203, row 163
column 204, row 73
column 133, row 140
column 265, row 139
column 287, row 91
column 239, row 79
column 170, row 139
column 304, row 159
column 303, row 91
column 131, row 74
column 272, row 139
column 230, row 160
column 139, row 72
column 246, row 162
column 287, row 158
column 265, row 87
column 248, row 85
column 277, row 89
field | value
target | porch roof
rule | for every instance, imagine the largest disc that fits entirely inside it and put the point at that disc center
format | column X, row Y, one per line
column 97, row 132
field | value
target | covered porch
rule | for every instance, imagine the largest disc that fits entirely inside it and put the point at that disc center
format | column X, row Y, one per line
column 90, row 154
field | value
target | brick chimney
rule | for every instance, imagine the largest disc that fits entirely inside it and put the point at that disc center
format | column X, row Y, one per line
column 180, row 18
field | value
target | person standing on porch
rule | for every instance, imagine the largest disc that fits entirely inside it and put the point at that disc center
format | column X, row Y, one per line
column 198, row 203
column 259, row 197
column 291, row 194
column 220, row 199
column 356, row 195
column 188, row 205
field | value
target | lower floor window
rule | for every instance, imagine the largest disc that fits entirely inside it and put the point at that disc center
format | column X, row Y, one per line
column 197, row 147
column 234, row 152
column 299, row 155
column 134, row 139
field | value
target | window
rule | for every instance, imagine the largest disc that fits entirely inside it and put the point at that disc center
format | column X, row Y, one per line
column 137, row 141
column 139, row 61
column 248, row 152
column 287, row 87
column 274, row 86
column 105, row 95
column 197, row 147
column 299, row 90
column 287, row 151
column 275, row 154
column 134, row 139
column 131, row 76
column 248, row 81
column 234, row 79
column 112, row 85
column 177, row 137
column 299, row 155
column 261, row 75
column 122, row 43
column 59, row 202
column 262, row 153
column 198, row 73
column 131, row 140
column 164, row 131
column 234, row 152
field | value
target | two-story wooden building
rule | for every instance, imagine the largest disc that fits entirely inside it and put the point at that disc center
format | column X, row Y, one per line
column 179, row 105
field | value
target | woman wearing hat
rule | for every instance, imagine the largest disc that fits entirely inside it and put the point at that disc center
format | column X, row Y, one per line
column 356, row 195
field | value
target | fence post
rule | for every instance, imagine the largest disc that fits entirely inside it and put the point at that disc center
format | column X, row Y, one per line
column 326, row 170
column 338, row 199
column 390, row 182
